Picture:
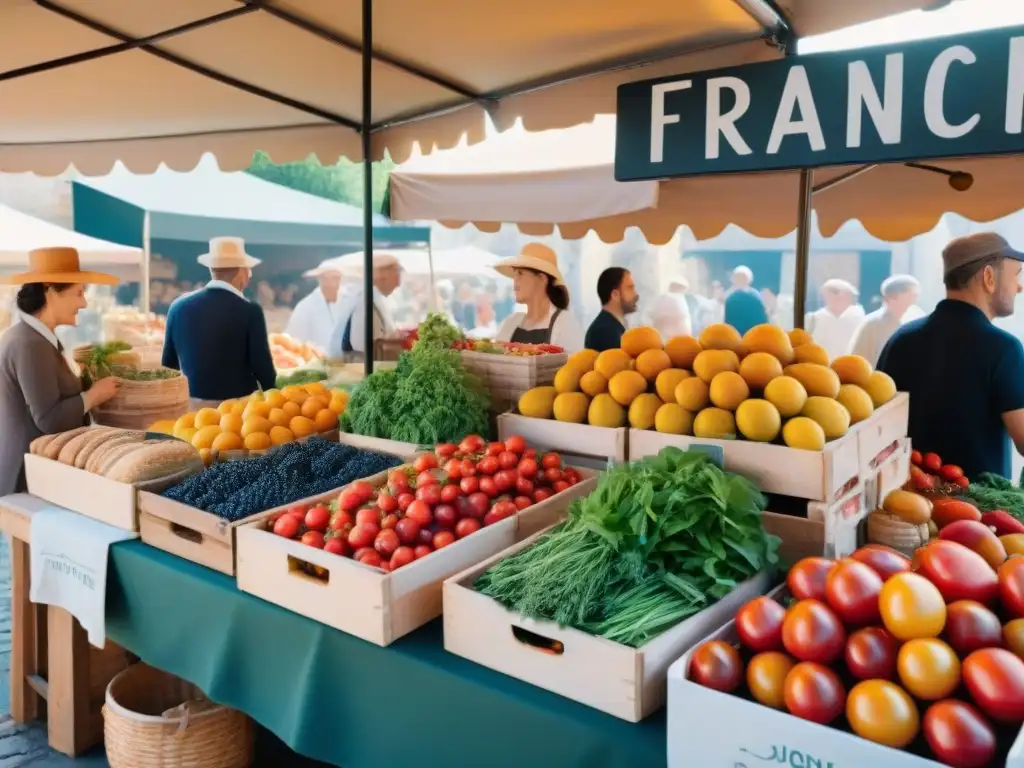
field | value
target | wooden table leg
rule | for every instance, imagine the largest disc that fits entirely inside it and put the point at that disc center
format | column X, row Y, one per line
column 25, row 702
column 68, row 716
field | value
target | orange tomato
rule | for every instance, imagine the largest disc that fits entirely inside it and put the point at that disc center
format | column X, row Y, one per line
column 882, row 712
column 912, row 607
column 928, row 668
column 766, row 677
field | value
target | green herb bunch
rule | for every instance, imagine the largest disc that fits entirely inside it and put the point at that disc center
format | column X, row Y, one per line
column 437, row 331
column 102, row 361
column 989, row 492
column 657, row 541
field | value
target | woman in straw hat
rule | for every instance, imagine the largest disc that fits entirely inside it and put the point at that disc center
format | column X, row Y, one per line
column 539, row 285
column 39, row 393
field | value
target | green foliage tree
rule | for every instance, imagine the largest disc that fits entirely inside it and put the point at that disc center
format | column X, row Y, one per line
column 342, row 181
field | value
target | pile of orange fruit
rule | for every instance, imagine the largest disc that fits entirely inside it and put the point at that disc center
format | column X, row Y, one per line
column 261, row 420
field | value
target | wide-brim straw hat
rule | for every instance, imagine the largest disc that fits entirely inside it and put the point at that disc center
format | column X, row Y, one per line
column 535, row 256
column 58, row 265
column 228, row 253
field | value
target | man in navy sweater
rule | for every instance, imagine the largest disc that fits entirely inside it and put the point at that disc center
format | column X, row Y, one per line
column 217, row 337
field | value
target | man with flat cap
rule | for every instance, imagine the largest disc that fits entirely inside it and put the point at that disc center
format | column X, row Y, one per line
column 965, row 376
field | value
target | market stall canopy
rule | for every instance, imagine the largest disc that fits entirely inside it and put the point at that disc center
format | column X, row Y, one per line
column 464, row 260
column 91, row 82
column 21, row 233
column 207, row 203
column 850, row 237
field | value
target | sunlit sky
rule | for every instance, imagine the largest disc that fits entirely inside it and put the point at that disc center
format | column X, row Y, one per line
column 959, row 17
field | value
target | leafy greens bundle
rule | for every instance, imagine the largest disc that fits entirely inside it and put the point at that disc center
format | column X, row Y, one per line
column 657, row 541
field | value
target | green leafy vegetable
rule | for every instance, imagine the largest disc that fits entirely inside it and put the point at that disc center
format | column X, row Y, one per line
column 656, row 542
column 436, row 331
column 114, row 358
column 990, row 492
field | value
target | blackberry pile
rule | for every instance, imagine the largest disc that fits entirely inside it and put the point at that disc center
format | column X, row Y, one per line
column 294, row 471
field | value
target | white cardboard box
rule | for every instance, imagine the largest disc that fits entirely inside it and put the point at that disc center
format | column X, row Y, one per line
column 628, row 683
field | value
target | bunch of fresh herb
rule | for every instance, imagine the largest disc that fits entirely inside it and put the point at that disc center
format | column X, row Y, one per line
column 989, row 492
column 437, row 331
column 656, row 542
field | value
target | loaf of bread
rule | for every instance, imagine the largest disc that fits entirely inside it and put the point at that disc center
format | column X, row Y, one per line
column 37, row 446
column 153, row 459
column 93, row 441
column 53, row 448
column 73, row 447
column 95, row 461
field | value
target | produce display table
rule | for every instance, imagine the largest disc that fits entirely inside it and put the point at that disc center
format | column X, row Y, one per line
column 335, row 698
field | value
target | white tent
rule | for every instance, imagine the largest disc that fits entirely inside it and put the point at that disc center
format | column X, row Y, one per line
column 21, row 233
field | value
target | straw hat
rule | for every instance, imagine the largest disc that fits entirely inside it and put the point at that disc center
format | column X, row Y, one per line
column 58, row 265
column 227, row 253
column 323, row 268
column 535, row 256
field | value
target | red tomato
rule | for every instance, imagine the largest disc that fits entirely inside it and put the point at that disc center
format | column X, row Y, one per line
column 443, row 538
column 469, row 485
column 541, row 494
column 530, row 453
column 1011, row 586
column 885, row 561
column 336, row 546
column 527, row 468
column 951, row 473
column 387, row 502
column 398, row 479
column 426, row 536
column 977, row 537
column 472, row 444
column 806, row 579
column 766, row 678
column 364, row 489
column 386, row 542
column 932, row 462
column 500, row 511
column 958, row 572
column 358, row 554
column 488, row 486
column 342, row 521
column 466, row 526
column 349, row 500
column 488, row 465
column 430, row 494
column 963, row 482
column 478, row 505
column 1013, row 636
column 551, row 461
column 915, row 458
column 571, row 476
column 424, row 462
column 389, row 521
column 422, row 550
column 970, row 626
column 912, row 607
column 420, row 512
column 453, row 469
column 408, row 530
column 553, row 475
column 287, row 526
column 371, row 558
column 995, row 679
column 495, row 449
column 362, row 535
column 450, row 493
column 445, row 450
column 812, row 632
column 504, row 480
column 759, row 624
column 426, row 477
column 508, row 460
column 368, row 515
column 959, row 735
column 522, row 502
column 851, row 590
column 516, row 444
column 560, row 486
column 402, row 556
column 313, row 539
column 524, row 486
column 928, row 668
column 468, row 468
column 882, row 712
column 445, row 515
column 717, row 665
column 813, row 692
column 871, row 654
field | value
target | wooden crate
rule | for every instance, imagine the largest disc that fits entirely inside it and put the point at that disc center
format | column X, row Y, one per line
column 582, row 444
column 91, row 495
column 826, row 476
column 801, row 536
column 507, row 377
column 364, row 601
column 628, row 683
column 404, row 451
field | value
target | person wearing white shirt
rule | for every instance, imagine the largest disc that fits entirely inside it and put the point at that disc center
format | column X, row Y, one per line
column 349, row 337
column 671, row 311
column 833, row 325
column 899, row 294
column 539, row 285
column 317, row 315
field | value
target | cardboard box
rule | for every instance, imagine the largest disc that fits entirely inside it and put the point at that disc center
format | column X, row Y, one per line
column 628, row 683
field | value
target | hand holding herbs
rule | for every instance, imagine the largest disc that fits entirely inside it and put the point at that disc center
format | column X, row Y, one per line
column 658, row 541
column 116, row 358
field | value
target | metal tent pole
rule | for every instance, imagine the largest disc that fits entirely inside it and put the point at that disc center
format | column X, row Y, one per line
column 147, row 254
column 803, row 247
column 367, row 184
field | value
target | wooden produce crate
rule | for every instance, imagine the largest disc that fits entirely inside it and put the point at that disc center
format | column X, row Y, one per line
column 94, row 496
column 582, row 444
column 364, row 601
column 800, row 536
column 405, row 451
column 507, row 377
column 628, row 683
column 828, row 475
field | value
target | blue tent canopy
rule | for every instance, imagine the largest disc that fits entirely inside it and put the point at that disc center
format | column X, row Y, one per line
column 207, row 203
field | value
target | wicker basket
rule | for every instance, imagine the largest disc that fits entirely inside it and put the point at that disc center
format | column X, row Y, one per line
column 507, row 377
column 138, row 404
column 146, row 726
column 890, row 530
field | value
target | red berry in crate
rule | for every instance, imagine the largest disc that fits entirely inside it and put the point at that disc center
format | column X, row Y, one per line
column 551, row 461
column 469, row 485
column 404, row 500
column 297, row 510
column 422, row 550
column 287, row 526
column 368, row 515
column 364, row 489
column 408, row 531
column 450, row 493
column 341, row 521
column 560, row 486
column 504, row 480
column 371, row 558
column 472, row 444
column 468, row 468
column 508, row 460
column 466, row 526
column 951, row 473
column 515, row 444
column 426, row 477
column 528, row 468
column 445, row 516
column 488, row 465
column 478, row 505
column 488, row 486
column 499, row 512
column 349, row 500
column 446, row 450
column 443, row 538
column 313, row 539
column 358, row 554
column 495, row 449
column 524, row 486
column 386, row 542
column 522, row 502
column 398, row 479
column 915, row 458
column 431, row 494
column 362, row 536
column 420, row 512
column 387, row 502
column 426, row 537
column 402, row 556
column 932, row 462
column 336, row 546
column 542, row 494
column 385, row 565
column 552, row 475
column 389, row 521
column 453, row 469
column 424, row 462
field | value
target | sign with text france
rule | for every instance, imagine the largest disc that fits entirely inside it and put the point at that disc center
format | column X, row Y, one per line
column 947, row 97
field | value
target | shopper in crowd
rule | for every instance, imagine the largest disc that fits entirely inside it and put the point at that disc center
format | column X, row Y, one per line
column 217, row 337
column 464, row 306
column 833, row 325
column 317, row 315
column 617, row 293
column 39, row 393
column 743, row 306
column 538, row 284
column 965, row 376
column 899, row 294
column 671, row 313
column 349, row 338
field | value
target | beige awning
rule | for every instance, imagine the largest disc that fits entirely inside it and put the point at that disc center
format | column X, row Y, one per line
column 283, row 76
column 565, row 178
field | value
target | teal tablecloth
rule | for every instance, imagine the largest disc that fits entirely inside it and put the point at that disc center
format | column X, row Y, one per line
column 341, row 700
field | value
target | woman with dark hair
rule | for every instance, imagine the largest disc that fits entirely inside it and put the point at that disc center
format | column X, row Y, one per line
column 39, row 393
column 539, row 285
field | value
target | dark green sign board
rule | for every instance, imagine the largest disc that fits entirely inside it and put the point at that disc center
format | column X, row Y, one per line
column 950, row 97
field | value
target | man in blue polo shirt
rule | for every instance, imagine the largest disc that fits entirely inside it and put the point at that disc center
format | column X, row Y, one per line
column 965, row 376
